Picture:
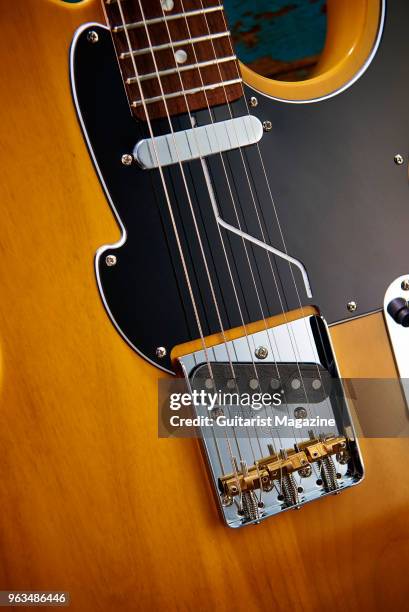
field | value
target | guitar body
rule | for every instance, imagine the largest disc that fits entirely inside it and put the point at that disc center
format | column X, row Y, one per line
column 92, row 502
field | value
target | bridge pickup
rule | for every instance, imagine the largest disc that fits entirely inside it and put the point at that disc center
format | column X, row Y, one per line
column 198, row 142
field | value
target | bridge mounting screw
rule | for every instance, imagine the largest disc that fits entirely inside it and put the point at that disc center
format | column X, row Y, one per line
column 352, row 306
column 110, row 260
column 127, row 159
column 405, row 284
column 253, row 101
column 261, row 352
column 267, row 126
column 92, row 36
column 161, row 352
column 398, row 159
column 300, row 413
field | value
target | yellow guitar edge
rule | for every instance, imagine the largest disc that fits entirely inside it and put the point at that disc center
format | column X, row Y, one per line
column 352, row 29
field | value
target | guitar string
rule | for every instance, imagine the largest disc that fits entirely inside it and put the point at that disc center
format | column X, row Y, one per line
column 198, row 235
column 244, row 326
column 169, row 118
column 169, row 205
column 308, row 332
column 232, row 198
column 274, row 435
column 309, row 406
column 149, row 41
column 119, row 3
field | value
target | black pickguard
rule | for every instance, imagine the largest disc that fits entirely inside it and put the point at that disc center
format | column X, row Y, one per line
column 341, row 200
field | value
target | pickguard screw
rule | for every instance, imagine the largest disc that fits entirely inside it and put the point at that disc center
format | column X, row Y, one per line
column 127, row 159
column 398, row 159
column 253, row 101
column 352, row 306
column 161, row 352
column 300, row 413
column 267, row 126
column 261, row 352
column 405, row 284
column 110, row 260
column 92, row 36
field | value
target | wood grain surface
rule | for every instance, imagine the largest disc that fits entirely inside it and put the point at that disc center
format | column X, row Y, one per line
column 92, row 502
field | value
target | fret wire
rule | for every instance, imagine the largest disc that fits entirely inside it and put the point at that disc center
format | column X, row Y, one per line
column 194, row 90
column 183, row 68
column 154, row 20
column 176, row 43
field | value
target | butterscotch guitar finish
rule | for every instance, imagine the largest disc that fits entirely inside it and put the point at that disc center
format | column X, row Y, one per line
column 93, row 502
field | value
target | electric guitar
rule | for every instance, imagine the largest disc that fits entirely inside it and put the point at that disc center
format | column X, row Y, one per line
column 250, row 240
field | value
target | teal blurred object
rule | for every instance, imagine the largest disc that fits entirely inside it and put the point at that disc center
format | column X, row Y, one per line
column 286, row 31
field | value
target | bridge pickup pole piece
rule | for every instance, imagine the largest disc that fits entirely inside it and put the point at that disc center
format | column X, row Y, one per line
column 198, row 142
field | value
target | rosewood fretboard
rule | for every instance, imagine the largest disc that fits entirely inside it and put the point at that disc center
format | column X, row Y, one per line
column 192, row 48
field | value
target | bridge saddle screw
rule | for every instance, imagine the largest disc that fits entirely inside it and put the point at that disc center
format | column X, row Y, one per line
column 127, row 159
column 261, row 352
column 398, row 159
column 267, row 126
column 405, row 284
column 161, row 352
column 110, row 260
column 253, row 101
column 352, row 306
column 92, row 36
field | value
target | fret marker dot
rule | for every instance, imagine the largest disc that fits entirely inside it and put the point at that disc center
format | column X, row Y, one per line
column 167, row 5
column 180, row 56
column 296, row 383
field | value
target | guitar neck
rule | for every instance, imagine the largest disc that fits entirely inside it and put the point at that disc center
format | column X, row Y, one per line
column 175, row 56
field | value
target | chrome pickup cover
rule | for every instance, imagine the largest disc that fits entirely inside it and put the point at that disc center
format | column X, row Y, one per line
column 198, row 142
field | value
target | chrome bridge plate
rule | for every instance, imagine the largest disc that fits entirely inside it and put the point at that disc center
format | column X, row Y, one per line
column 272, row 464
column 197, row 142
